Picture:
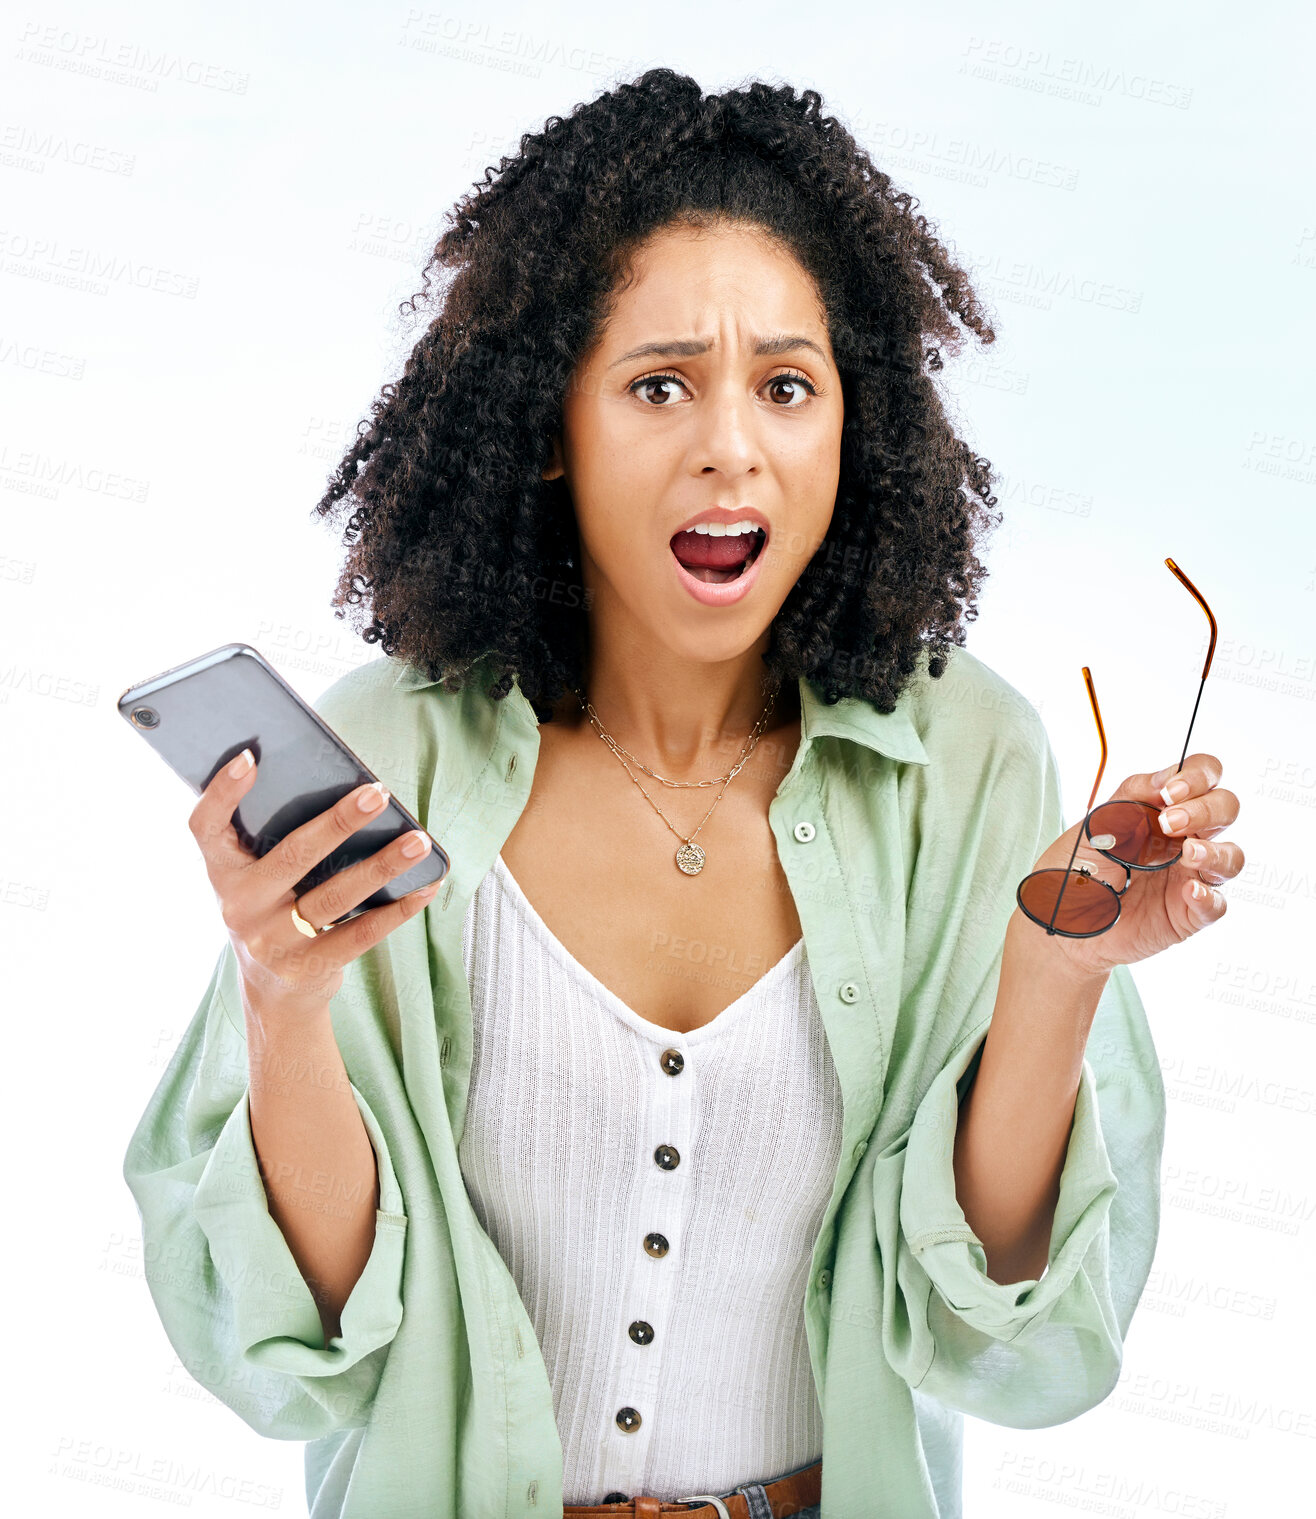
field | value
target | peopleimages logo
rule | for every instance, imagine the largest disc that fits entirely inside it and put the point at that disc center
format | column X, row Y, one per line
column 1037, row 69
column 98, row 56
column 48, row 260
column 162, row 1477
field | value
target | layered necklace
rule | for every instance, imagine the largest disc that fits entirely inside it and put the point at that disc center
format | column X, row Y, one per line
column 690, row 856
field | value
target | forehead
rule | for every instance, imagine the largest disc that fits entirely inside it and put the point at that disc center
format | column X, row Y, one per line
column 707, row 282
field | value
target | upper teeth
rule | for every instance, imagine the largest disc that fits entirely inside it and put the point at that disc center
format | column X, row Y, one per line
column 725, row 529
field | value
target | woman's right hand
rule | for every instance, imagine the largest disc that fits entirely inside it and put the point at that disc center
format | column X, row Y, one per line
column 280, row 966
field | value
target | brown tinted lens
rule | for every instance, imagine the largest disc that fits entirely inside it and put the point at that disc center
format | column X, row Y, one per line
column 1136, row 834
column 1087, row 907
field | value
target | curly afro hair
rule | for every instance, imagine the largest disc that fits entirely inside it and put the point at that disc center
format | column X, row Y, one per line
column 462, row 551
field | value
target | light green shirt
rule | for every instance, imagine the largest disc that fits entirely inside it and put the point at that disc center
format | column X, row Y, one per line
column 903, row 838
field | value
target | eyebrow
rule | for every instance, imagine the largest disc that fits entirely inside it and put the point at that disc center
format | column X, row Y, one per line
column 688, row 348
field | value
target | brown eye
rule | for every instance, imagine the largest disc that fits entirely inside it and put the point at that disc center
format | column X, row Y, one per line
column 654, row 379
column 792, row 379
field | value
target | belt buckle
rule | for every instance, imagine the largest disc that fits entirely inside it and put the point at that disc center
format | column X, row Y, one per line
column 722, row 1510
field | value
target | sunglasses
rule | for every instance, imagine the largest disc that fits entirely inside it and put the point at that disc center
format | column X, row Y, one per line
column 1075, row 901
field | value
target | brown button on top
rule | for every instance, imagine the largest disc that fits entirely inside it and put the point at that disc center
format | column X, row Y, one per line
column 641, row 1332
column 667, row 1156
column 628, row 1419
column 672, row 1061
column 656, row 1244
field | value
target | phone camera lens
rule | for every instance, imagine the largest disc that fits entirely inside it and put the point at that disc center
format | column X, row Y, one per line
column 145, row 717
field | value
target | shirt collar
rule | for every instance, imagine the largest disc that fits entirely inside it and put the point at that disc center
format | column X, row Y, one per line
column 889, row 733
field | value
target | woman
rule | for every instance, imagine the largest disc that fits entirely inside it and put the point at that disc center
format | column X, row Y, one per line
column 636, row 1165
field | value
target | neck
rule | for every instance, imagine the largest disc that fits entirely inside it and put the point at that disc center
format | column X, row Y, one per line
column 686, row 720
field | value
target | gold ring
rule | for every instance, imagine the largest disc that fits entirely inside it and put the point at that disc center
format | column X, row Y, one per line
column 303, row 927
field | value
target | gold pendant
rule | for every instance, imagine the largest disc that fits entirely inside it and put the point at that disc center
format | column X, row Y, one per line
column 690, row 858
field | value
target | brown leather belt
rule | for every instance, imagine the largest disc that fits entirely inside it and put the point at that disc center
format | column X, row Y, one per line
column 780, row 1499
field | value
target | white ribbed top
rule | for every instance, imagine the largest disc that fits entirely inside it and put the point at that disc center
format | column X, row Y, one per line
column 568, row 1102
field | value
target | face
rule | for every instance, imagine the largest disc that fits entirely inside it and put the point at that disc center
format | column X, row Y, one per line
column 653, row 440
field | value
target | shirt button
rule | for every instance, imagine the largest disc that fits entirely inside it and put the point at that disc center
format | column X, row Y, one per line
column 824, row 1280
column 672, row 1061
column 641, row 1332
column 849, row 992
column 860, row 1148
column 804, row 832
column 628, row 1419
column 656, row 1244
column 668, row 1157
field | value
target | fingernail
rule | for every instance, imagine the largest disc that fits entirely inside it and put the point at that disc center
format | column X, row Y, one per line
column 1200, row 890
column 1194, row 851
column 1175, row 818
column 1174, row 792
column 372, row 797
column 242, row 764
column 1161, row 776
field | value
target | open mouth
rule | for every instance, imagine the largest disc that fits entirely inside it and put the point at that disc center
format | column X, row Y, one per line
column 716, row 560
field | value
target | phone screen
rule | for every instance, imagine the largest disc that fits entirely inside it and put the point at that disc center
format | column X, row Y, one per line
column 202, row 714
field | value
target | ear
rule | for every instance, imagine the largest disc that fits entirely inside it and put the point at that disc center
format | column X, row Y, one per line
column 554, row 467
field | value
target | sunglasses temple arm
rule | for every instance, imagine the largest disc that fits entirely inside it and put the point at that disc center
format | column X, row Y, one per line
column 1210, row 650
column 1078, row 837
column 1191, row 721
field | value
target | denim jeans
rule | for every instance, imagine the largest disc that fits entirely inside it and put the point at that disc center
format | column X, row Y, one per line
column 812, row 1512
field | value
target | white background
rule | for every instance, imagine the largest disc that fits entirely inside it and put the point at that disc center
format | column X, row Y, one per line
column 210, row 216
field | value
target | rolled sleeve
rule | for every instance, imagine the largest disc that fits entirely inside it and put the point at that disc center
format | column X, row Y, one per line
column 948, row 1250
column 277, row 1322
column 1031, row 1353
column 226, row 1286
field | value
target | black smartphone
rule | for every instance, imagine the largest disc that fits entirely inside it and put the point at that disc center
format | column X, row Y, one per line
column 202, row 714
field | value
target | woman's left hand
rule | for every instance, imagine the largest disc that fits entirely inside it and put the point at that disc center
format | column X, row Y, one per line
column 1159, row 908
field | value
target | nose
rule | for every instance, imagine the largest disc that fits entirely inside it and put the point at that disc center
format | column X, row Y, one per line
column 728, row 440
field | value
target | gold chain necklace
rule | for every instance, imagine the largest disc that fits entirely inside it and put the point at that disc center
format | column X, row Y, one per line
column 690, row 856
